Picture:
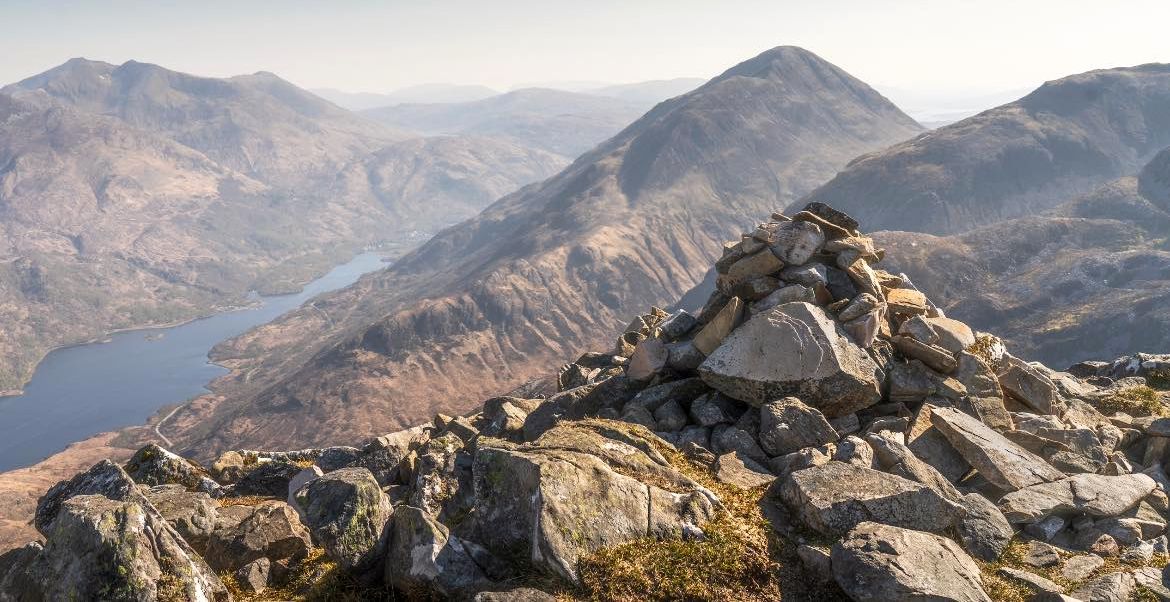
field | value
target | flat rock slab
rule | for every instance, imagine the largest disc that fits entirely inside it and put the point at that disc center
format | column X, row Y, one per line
column 835, row 497
column 1003, row 463
column 880, row 562
column 794, row 349
column 1093, row 494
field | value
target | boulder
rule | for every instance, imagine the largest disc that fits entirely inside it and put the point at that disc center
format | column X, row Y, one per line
column 984, row 398
column 984, row 531
column 153, row 465
column 788, row 425
column 1030, row 386
column 953, row 335
column 712, row 409
column 1003, row 463
column 895, row 458
column 794, row 349
column 424, row 561
column 938, row 359
column 104, row 478
column 1092, row 494
column 835, row 497
column 580, row 487
column 930, row 445
column 881, row 562
column 253, row 577
column 1078, row 568
column 270, row 529
column 347, row 514
column 99, row 548
column 267, row 479
column 670, row 416
column 678, row 324
column 907, row 302
column 192, row 514
column 435, row 479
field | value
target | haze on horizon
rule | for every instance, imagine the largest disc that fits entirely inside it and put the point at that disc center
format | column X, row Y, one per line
column 915, row 51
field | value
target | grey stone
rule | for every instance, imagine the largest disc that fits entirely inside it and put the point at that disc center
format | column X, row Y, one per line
column 681, row 391
column 936, row 358
column 835, row 497
column 678, row 324
column 817, row 563
column 269, row 529
column 715, row 331
column 424, row 561
column 983, row 530
column 104, row 478
column 711, row 409
column 1002, row 462
column 1028, row 385
column 794, row 243
column 731, row 469
column 1046, row 529
column 1039, row 586
column 520, row 594
column 854, row 450
column 882, row 562
column 192, row 514
column 253, row 577
column 795, row 349
column 896, row 458
column 809, row 275
column 153, row 465
column 1114, row 587
column 1092, row 494
column 1078, row 568
column 731, row 439
column 648, row 360
column 683, row 356
column 670, row 416
column 788, row 425
column 788, row 294
column 298, row 481
column 1041, row 555
column 347, row 514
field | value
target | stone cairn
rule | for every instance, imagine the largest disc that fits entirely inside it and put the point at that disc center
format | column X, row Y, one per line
column 895, row 448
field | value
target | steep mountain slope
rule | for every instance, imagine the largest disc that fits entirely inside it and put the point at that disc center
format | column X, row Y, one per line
column 533, row 279
column 1067, row 137
column 259, row 125
column 566, row 123
column 108, row 220
column 1088, row 280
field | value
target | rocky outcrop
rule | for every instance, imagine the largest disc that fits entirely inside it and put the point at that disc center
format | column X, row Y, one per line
column 637, row 457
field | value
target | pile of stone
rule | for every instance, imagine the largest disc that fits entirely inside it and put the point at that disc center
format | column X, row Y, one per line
column 914, row 446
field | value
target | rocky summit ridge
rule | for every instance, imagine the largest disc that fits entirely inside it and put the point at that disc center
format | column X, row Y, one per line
column 818, row 430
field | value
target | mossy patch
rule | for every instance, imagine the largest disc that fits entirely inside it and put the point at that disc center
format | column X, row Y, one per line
column 1135, row 401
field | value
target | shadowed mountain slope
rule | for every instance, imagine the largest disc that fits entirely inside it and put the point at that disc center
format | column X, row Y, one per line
column 486, row 304
column 1065, row 138
column 1089, row 279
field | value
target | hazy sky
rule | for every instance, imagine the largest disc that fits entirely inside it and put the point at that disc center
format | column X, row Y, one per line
column 912, row 46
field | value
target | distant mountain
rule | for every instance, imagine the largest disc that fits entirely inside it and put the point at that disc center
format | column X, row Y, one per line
column 133, row 196
column 1089, row 279
column 258, row 125
column 566, row 123
column 550, row 270
column 422, row 93
column 1066, row 138
column 650, row 92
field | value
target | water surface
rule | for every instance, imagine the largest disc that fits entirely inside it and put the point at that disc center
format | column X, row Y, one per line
column 78, row 392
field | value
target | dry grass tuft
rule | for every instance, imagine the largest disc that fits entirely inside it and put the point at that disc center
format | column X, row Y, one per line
column 733, row 563
column 1135, row 401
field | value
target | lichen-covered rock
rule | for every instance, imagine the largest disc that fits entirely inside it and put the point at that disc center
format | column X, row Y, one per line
column 797, row 350
column 876, row 562
column 268, row 478
column 269, row 529
column 383, row 455
column 192, row 513
column 424, row 561
column 984, row 531
column 253, row 577
column 153, row 465
column 347, row 513
column 103, row 549
column 835, row 497
column 104, row 478
column 580, row 487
